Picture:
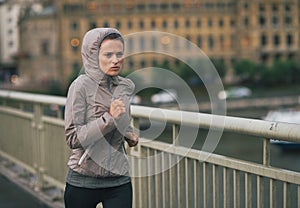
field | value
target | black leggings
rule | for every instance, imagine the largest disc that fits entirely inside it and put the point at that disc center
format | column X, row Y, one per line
column 115, row 197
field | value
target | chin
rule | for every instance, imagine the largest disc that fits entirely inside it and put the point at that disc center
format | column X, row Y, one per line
column 112, row 73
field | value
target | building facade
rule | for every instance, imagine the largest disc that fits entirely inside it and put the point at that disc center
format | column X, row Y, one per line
column 10, row 11
column 225, row 30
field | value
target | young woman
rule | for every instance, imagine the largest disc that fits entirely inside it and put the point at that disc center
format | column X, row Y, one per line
column 97, row 122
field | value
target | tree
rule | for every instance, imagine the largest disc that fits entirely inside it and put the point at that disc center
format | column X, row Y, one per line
column 247, row 70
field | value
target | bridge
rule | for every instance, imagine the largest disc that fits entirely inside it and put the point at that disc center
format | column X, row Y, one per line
column 167, row 172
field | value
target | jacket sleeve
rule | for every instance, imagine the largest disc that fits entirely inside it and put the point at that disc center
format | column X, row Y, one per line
column 80, row 133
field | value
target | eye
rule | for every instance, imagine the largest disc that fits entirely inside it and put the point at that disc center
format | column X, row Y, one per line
column 120, row 54
column 108, row 55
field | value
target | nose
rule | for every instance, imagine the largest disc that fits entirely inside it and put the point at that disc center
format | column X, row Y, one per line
column 115, row 59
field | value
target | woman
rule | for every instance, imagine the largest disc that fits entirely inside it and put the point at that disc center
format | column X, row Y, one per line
column 97, row 122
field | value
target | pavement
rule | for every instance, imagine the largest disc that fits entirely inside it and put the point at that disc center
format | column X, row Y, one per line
column 17, row 189
column 12, row 196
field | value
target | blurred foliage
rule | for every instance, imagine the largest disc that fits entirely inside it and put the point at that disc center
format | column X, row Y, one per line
column 281, row 72
column 220, row 67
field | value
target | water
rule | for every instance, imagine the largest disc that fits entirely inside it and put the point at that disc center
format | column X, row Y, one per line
column 234, row 145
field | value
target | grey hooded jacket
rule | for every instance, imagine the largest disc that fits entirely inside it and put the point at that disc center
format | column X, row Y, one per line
column 95, row 138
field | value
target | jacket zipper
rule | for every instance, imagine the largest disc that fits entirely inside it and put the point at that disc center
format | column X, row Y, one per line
column 110, row 144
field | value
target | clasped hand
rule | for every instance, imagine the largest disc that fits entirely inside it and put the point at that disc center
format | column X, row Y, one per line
column 117, row 108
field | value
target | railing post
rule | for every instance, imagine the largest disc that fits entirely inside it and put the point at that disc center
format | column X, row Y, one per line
column 175, row 130
column 38, row 150
column 266, row 152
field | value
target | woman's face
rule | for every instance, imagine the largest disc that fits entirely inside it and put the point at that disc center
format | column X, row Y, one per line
column 111, row 56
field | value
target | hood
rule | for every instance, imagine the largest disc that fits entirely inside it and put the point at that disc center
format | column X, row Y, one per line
column 90, row 50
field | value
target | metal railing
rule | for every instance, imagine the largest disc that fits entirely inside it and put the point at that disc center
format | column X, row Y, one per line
column 33, row 137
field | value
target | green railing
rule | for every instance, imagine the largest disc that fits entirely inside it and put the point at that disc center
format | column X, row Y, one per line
column 165, row 174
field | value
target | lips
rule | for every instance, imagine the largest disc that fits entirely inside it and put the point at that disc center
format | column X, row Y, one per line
column 115, row 68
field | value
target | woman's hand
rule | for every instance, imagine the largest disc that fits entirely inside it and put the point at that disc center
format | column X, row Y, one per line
column 132, row 139
column 117, row 108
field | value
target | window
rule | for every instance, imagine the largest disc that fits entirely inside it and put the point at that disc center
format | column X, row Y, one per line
column 274, row 7
column 142, row 63
column 164, row 6
column 222, row 41
column 141, row 23
column 131, row 63
column 74, row 25
column 45, row 47
column 106, row 24
column 289, row 40
column 153, row 6
column 262, row 21
column 76, row 67
column 176, row 24
column 93, row 25
column 199, row 41
column 262, row 7
column 10, row 31
column 210, row 42
column 165, row 24
column 141, row 7
column 187, row 23
column 275, row 21
column 129, row 24
column 263, row 40
column 118, row 25
column 276, row 40
column 221, row 23
column 210, row 23
column 232, row 23
column 199, row 23
column 176, row 6
column 288, row 20
column 10, row 44
column 246, row 21
column 153, row 24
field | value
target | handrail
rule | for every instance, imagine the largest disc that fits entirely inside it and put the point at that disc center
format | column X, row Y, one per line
column 266, row 129
column 33, row 98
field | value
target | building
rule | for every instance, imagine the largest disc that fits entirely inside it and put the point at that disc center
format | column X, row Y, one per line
column 226, row 30
column 9, row 38
column 10, row 11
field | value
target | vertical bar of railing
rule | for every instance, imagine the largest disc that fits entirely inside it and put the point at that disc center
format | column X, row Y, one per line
column 165, row 183
column 272, row 196
column 215, row 186
column 150, row 181
column 180, row 176
column 248, row 190
column 172, row 181
column 39, row 141
column 259, row 192
column 226, row 182
column 236, row 189
column 205, row 197
column 187, row 182
column 175, row 130
column 286, row 195
column 196, row 179
column 157, row 181
column 298, row 189
column 266, row 152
